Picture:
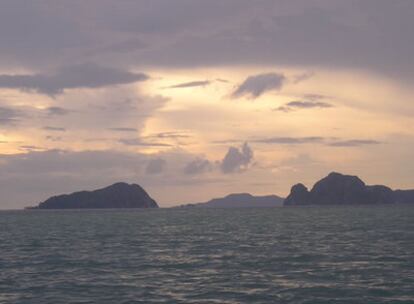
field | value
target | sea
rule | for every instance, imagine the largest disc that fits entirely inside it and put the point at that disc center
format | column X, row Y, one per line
column 358, row 254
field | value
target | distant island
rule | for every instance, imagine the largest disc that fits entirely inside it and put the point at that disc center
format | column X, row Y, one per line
column 340, row 189
column 240, row 200
column 119, row 195
column 334, row 189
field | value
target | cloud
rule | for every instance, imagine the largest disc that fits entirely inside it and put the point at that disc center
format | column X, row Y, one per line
column 155, row 166
column 280, row 36
column 227, row 141
column 255, row 86
column 290, row 140
column 297, row 105
column 70, row 77
column 190, row 84
column 56, row 129
column 173, row 135
column 237, row 159
column 328, row 141
column 354, row 143
column 197, row 166
column 53, row 138
column 210, row 33
column 29, row 177
column 9, row 116
column 308, row 104
column 123, row 129
column 122, row 47
column 140, row 142
column 314, row 97
column 110, row 111
column 30, row 148
column 302, row 77
column 58, row 111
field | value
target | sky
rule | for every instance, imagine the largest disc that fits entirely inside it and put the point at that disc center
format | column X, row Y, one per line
column 197, row 99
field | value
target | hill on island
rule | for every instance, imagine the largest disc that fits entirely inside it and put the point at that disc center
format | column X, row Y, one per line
column 119, row 195
column 240, row 200
column 340, row 189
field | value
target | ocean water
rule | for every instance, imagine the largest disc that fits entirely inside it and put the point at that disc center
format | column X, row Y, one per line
column 280, row 255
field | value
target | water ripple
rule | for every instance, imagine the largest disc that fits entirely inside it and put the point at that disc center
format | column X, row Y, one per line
column 280, row 255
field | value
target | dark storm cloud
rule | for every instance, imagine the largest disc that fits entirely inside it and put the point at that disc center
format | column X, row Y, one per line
column 198, row 166
column 156, row 166
column 297, row 105
column 190, row 84
column 256, row 85
column 354, row 143
column 55, row 129
column 237, row 159
column 70, row 77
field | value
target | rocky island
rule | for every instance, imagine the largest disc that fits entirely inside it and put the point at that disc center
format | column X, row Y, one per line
column 240, row 200
column 340, row 189
column 334, row 189
column 119, row 195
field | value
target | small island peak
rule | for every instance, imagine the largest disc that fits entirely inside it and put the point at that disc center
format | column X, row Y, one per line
column 117, row 195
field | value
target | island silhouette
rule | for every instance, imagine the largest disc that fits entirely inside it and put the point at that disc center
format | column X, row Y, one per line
column 334, row 189
column 119, row 195
column 341, row 189
column 239, row 200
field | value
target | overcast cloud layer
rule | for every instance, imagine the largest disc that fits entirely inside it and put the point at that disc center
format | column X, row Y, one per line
column 370, row 34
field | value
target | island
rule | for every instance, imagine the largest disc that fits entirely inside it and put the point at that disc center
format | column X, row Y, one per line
column 240, row 200
column 119, row 195
column 334, row 189
column 340, row 189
